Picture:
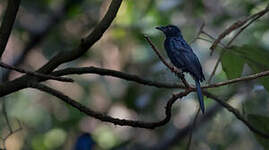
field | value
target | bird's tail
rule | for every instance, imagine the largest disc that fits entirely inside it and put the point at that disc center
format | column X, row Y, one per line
column 200, row 95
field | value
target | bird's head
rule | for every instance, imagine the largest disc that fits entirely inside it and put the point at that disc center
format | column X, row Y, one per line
column 170, row 30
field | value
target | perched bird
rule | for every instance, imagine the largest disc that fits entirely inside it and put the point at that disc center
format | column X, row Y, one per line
column 183, row 57
column 84, row 142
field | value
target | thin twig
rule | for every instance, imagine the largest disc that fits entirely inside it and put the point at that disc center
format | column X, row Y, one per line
column 171, row 67
column 5, row 114
column 105, row 118
column 215, row 67
column 229, row 43
column 242, row 29
column 200, row 31
column 233, row 27
column 213, row 38
column 191, row 128
column 237, row 25
column 237, row 114
column 246, row 78
column 36, row 74
column 11, row 132
column 7, row 23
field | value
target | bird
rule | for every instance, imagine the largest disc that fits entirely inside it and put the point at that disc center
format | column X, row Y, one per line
column 182, row 57
column 84, row 142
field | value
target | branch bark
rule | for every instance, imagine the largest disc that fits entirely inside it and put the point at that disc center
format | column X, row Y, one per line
column 87, row 42
column 116, row 74
column 105, row 118
column 36, row 74
column 7, row 23
column 93, row 37
column 37, row 37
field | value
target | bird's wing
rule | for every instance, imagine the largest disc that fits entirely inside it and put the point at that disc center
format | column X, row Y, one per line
column 193, row 65
column 186, row 57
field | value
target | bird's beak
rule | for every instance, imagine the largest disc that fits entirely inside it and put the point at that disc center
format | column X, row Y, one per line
column 159, row 28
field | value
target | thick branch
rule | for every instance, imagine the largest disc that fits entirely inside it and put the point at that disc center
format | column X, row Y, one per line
column 36, row 74
column 38, row 36
column 105, row 118
column 7, row 23
column 86, row 43
column 20, row 83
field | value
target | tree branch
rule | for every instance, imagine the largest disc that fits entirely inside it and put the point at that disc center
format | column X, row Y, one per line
column 87, row 42
column 7, row 23
column 237, row 25
column 93, row 37
column 135, row 78
column 237, row 114
column 232, row 81
column 233, row 27
column 116, row 74
column 171, row 67
column 36, row 74
column 37, row 37
column 105, row 118
column 11, row 132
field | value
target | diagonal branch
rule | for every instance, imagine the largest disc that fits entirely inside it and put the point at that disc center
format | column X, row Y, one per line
column 233, row 27
column 105, row 118
column 92, row 38
column 237, row 114
column 171, row 67
column 237, row 25
column 36, row 74
column 38, row 36
column 7, row 23
column 87, row 42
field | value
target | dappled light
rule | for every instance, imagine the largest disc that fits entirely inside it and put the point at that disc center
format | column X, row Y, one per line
column 97, row 75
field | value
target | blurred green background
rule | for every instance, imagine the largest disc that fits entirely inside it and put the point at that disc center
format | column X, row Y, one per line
column 49, row 124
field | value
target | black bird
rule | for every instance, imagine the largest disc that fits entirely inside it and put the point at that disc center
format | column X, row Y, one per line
column 84, row 142
column 183, row 57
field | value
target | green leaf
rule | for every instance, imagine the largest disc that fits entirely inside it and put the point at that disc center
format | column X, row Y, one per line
column 264, row 80
column 257, row 59
column 260, row 122
column 254, row 54
column 232, row 64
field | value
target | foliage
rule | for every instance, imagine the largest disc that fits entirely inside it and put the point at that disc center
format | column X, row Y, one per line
column 58, row 26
